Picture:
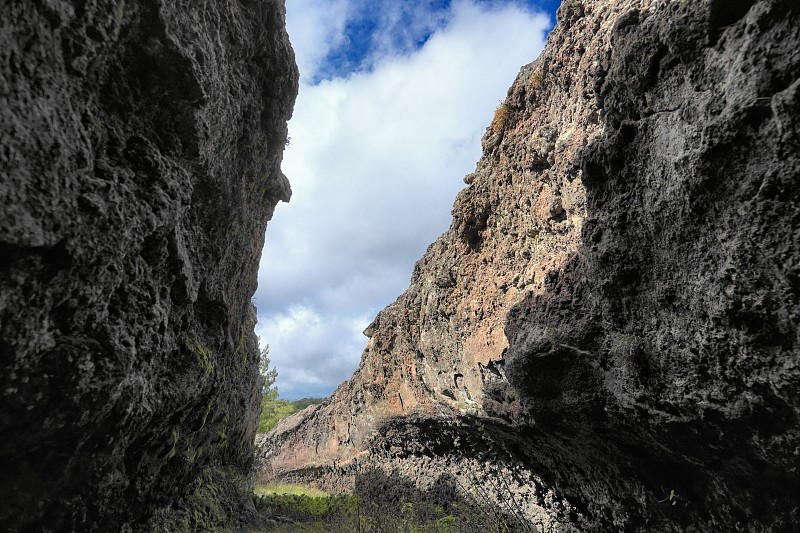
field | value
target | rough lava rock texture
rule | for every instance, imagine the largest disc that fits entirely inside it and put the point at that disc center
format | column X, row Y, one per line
column 140, row 151
column 613, row 315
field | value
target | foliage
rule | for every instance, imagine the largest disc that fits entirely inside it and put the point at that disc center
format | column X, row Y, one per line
column 303, row 509
column 203, row 356
column 672, row 499
column 309, row 510
column 302, row 403
column 500, row 117
column 273, row 410
column 268, row 389
column 285, row 488
column 217, row 501
column 120, row 11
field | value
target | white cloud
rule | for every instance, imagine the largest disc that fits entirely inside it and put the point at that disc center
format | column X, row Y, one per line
column 315, row 29
column 375, row 162
column 310, row 351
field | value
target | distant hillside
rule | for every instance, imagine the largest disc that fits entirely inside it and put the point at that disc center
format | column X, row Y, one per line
column 275, row 410
column 302, row 403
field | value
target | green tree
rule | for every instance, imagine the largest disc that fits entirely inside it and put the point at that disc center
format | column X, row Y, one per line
column 273, row 412
column 272, row 409
column 268, row 389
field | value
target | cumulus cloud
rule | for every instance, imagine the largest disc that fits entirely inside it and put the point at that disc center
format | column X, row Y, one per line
column 326, row 356
column 376, row 159
column 315, row 31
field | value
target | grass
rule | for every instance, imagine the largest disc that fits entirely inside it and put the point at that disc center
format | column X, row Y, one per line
column 293, row 490
column 297, row 508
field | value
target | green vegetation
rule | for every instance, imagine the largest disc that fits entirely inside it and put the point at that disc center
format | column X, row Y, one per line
column 273, row 409
column 285, row 488
column 272, row 412
column 672, row 499
column 302, row 403
column 206, row 413
column 500, row 117
column 203, row 356
column 172, row 450
column 217, row 502
column 120, row 11
column 298, row 508
column 192, row 453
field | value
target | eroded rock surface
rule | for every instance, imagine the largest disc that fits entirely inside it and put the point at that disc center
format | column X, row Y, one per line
column 140, row 153
column 614, row 311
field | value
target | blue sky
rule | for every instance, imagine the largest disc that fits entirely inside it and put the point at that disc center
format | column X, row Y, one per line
column 404, row 29
column 394, row 98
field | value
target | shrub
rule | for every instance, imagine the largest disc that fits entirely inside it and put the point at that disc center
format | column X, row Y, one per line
column 500, row 117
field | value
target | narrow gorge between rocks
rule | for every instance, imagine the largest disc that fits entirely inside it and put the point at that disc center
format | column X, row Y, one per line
column 607, row 338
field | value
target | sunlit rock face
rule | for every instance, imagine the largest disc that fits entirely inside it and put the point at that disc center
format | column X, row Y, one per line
column 140, row 161
column 614, row 311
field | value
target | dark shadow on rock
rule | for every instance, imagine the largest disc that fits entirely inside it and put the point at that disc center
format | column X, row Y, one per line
column 140, row 162
column 658, row 372
column 380, row 493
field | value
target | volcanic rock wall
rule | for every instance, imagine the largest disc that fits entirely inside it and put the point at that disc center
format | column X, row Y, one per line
column 616, row 304
column 140, row 153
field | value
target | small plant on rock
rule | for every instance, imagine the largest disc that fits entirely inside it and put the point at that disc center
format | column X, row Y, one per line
column 500, row 117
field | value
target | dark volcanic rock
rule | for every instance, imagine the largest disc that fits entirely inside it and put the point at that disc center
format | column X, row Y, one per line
column 616, row 305
column 676, row 325
column 140, row 157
